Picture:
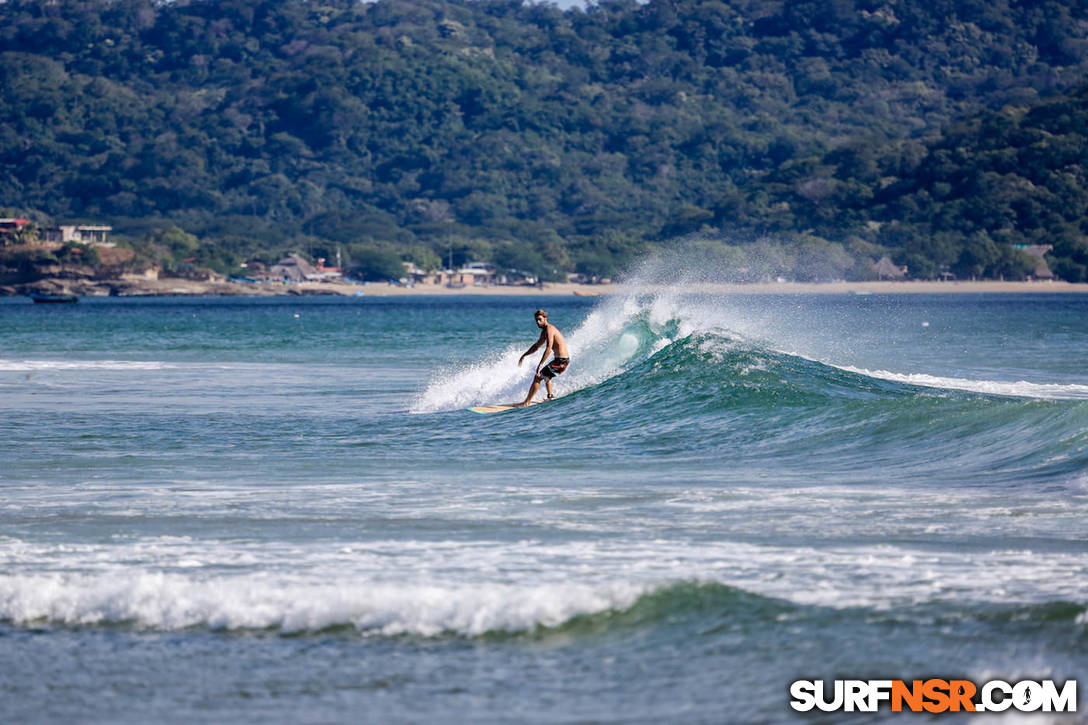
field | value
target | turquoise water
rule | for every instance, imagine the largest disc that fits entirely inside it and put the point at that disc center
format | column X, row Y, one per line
column 279, row 510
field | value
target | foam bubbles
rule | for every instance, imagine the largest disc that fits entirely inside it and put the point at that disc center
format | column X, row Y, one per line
column 1017, row 389
column 160, row 601
column 431, row 588
column 45, row 365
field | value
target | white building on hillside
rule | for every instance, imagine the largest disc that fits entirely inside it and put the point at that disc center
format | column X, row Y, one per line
column 84, row 234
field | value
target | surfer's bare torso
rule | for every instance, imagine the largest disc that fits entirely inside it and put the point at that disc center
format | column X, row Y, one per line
column 552, row 338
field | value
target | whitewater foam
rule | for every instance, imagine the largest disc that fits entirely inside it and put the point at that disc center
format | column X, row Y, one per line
column 1018, row 389
column 615, row 334
column 630, row 327
column 619, row 332
column 161, row 601
column 430, row 588
column 44, row 365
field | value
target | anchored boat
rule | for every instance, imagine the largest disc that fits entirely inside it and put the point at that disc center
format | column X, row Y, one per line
column 53, row 299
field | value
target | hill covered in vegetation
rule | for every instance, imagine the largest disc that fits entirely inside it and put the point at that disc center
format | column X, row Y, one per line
column 940, row 134
column 966, row 201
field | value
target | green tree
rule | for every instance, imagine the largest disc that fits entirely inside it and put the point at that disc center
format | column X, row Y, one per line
column 979, row 255
column 589, row 135
column 376, row 265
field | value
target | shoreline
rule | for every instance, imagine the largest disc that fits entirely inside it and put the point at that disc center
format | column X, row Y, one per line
column 182, row 287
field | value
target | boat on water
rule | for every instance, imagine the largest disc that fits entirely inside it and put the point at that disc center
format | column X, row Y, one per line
column 53, row 299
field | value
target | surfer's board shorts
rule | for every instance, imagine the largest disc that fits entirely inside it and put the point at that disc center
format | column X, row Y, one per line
column 555, row 367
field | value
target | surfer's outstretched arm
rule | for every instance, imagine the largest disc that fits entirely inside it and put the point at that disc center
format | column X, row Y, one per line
column 536, row 346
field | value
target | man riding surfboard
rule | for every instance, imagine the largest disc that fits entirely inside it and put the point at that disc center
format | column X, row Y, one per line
column 552, row 340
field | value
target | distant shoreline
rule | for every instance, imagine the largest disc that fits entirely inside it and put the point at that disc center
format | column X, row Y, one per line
column 763, row 288
column 181, row 287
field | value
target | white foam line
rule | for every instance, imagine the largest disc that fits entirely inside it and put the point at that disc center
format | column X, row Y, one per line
column 170, row 602
column 123, row 365
column 38, row 365
column 1018, row 389
column 396, row 587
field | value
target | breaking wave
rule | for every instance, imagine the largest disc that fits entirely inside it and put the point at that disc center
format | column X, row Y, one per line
column 625, row 331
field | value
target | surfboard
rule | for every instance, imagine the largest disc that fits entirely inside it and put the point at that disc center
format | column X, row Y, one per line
column 500, row 407
column 493, row 408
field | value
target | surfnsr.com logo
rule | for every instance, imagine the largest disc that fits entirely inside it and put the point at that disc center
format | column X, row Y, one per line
column 933, row 696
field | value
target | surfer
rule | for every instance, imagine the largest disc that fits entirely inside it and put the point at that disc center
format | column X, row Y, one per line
column 552, row 340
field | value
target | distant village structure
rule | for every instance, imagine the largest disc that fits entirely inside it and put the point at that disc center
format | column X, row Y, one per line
column 293, row 268
column 9, row 227
column 886, row 269
column 95, row 234
column 82, row 234
column 472, row 274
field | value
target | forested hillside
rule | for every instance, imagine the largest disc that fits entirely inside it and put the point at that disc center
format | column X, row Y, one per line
column 998, row 181
column 548, row 140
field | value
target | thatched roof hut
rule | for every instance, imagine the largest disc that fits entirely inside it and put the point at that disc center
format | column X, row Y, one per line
column 886, row 269
column 294, row 268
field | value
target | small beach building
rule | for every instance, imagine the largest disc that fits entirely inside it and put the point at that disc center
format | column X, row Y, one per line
column 475, row 273
column 12, row 225
column 10, row 228
column 415, row 275
column 97, row 235
column 293, row 268
column 514, row 277
column 886, row 269
column 327, row 274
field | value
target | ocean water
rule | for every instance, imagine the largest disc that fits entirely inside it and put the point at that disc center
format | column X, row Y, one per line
column 280, row 510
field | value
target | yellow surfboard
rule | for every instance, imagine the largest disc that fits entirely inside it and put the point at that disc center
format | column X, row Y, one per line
column 493, row 408
column 500, row 407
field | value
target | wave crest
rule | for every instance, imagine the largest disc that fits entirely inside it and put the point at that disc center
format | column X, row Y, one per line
column 170, row 602
column 1012, row 389
column 700, row 337
column 157, row 601
column 615, row 335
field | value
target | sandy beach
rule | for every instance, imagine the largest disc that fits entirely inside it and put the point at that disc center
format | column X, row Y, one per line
column 183, row 287
column 781, row 288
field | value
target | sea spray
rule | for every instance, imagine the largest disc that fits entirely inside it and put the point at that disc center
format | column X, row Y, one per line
column 644, row 318
column 653, row 308
column 617, row 333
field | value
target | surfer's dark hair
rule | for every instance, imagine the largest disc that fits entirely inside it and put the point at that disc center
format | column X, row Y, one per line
column 541, row 313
